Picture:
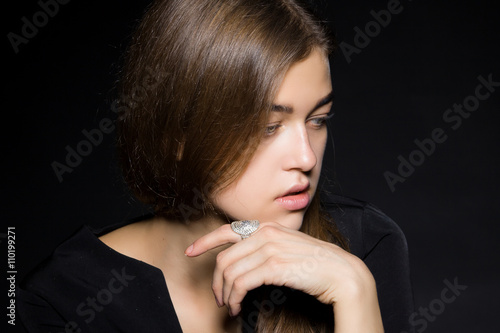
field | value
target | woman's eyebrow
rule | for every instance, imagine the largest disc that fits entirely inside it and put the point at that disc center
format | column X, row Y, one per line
column 324, row 101
column 288, row 109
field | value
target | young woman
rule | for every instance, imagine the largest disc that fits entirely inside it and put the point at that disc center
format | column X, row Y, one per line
column 222, row 120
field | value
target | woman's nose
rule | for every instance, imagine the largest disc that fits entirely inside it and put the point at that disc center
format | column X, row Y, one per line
column 299, row 153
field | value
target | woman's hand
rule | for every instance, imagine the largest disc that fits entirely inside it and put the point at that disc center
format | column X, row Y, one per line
column 276, row 255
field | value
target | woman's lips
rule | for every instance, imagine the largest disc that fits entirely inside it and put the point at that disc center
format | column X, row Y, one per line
column 294, row 201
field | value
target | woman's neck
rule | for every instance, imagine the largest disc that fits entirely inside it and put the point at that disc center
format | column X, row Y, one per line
column 161, row 243
column 190, row 279
column 173, row 238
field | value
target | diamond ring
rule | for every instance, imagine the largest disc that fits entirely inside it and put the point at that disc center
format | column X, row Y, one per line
column 245, row 228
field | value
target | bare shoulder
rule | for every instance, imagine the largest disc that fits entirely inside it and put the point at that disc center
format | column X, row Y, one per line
column 131, row 240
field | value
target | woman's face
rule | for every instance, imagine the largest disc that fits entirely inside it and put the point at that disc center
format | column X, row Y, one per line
column 283, row 175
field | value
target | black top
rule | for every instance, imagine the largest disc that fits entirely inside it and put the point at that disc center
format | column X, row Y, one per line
column 85, row 286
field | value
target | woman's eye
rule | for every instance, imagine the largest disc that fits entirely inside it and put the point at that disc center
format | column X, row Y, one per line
column 318, row 122
column 271, row 129
column 321, row 120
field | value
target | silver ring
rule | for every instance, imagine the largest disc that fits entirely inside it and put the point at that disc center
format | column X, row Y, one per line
column 245, row 228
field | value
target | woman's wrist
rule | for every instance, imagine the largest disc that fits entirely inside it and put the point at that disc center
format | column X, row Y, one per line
column 356, row 309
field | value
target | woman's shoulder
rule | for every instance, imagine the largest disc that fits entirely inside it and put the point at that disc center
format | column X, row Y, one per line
column 58, row 286
column 362, row 223
column 84, row 253
column 84, row 283
column 81, row 261
column 76, row 252
column 376, row 239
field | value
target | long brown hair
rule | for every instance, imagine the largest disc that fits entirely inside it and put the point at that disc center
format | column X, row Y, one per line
column 198, row 82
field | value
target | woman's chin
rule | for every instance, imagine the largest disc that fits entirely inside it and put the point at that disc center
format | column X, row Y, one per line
column 292, row 220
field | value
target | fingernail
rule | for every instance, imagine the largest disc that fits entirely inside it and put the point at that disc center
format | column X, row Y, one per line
column 189, row 250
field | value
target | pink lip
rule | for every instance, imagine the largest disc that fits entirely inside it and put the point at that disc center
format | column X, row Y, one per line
column 295, row 198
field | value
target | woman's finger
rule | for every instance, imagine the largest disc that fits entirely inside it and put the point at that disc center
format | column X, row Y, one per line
column 234, row 262
column 220, row 236
column 273, row 271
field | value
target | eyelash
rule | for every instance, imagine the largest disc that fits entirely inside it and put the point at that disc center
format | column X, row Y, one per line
column 322, row 119
column 320, row 122
column 271, row 129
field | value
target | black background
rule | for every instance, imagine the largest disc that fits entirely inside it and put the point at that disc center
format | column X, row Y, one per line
column 394, row 91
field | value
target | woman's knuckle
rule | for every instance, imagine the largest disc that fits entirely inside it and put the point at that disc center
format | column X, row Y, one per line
column 239, row 283
column 269, row 231
column 216, row 287
column 269, row 248
column 220, row 257
column 274, row 262
column 228, row 273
